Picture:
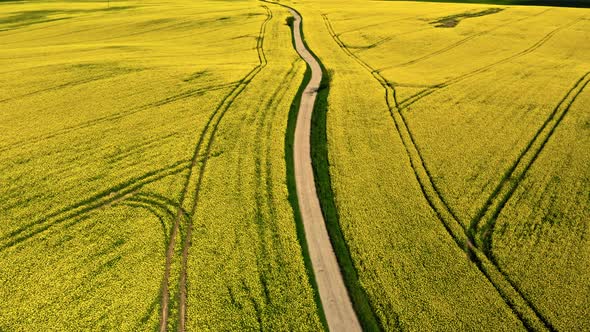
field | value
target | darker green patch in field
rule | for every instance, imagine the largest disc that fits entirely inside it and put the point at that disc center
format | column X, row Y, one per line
column 61, row 241
column 158, row 21
column 113, row 247
column 108, row 265
column 90, row 65
column 102, row 70
column 252, row 14
column 289, row 21
column 452, row 21
column 26, row 18
column 34, row 15
column 148, row 314
column 27, row 23
column 117, row 243
column 195, row 76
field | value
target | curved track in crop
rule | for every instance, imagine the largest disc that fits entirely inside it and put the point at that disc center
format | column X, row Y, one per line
column 191, row 190
column 482, row 225
column 72, row 213
column 518, row 302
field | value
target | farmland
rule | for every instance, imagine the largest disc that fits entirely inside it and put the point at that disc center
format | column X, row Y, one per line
column 143, row 178
column 149, row 158
column 456, row 137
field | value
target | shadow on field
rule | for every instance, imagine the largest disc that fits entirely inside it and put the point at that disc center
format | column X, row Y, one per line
column 452, row 21
column 26, row 18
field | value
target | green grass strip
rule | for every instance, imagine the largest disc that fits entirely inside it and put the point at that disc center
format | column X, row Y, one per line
column 289, row 154
column 321, row 168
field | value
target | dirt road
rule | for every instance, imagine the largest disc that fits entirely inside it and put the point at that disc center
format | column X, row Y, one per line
column 333, row 294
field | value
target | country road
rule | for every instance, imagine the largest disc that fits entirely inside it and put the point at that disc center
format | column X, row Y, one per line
column 338, row 309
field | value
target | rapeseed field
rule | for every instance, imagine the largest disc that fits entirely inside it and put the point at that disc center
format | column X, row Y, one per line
column 146, row 167
column 143, row 177
column 440, row 120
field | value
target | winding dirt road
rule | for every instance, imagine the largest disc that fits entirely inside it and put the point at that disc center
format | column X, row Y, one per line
column 333, row 294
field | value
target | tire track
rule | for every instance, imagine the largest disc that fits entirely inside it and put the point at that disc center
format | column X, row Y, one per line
column 481, row 235
column 440, row 51
column 511, row 295
column 416, row 97
column 413, row 17
column 155, row 210
column 386, row 39
column 119, row 115
column 164, row 214
column 24, row 25
column 103, row 199
column 75, row 83
column 17, row 26
column 177, row 25
column 462, row 41
column 264, row 197
column 140, row 325
column 375, row 25
column 153, row 202
column 77, row 19
column 229, row 102
column 160, row 207
column 193, row 183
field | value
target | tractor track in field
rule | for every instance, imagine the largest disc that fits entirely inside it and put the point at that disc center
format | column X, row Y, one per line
column 437, row 87
column 63, row 21
column 64, row 131
column 376, row 24
column 75, row 83
column 482, row 235
column 77, row 19
column 386, row 39
column 108, row 197
column 163, row 209
column 442, row 50
column 264, row 195
column 160, row 212
column 176, row 25
column 210, row 131
column 442, row 209
column 153, row 202
column 462, row 41
column 413, row 17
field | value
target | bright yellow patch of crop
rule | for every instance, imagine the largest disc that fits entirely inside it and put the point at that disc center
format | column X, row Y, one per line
column 101, row 112
column 424, row 123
